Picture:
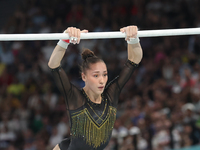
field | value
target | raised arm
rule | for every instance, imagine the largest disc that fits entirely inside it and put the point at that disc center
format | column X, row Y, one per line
column 59, row 50
column 68, row 90
column 134, row 57
column 134, row 54
column 134, row 49
column 56, row 57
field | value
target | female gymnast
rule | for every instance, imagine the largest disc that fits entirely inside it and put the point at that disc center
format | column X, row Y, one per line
column 92, row 109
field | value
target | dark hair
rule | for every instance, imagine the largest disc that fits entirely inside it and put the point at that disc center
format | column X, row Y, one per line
column 88, row 58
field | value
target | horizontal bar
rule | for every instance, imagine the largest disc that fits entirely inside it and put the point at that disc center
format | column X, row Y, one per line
column 99, row 35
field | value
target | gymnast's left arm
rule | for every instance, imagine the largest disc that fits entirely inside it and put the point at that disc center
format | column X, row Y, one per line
column 134, row 48
column 134, row 57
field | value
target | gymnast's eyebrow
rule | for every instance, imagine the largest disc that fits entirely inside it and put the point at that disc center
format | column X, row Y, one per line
column 97, row 71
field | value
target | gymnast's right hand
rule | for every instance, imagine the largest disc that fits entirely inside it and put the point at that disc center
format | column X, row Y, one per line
column 75, row 34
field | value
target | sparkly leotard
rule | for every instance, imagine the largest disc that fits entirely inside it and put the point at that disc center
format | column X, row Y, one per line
column 91, row 123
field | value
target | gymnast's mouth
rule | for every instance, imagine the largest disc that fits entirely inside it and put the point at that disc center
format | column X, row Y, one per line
column 101, row 87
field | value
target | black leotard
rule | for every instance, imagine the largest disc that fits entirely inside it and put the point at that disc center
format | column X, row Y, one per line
column 91, row 124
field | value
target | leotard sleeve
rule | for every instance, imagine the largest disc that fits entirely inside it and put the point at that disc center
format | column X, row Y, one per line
column 115, row 86
column 70, row 92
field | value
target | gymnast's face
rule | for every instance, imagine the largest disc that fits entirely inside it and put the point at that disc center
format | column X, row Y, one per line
column 96, row 77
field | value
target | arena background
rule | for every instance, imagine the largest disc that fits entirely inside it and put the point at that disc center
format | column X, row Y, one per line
column 159, row 108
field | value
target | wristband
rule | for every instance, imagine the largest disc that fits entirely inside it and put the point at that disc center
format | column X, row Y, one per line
column 63, row 43
column 133, row 40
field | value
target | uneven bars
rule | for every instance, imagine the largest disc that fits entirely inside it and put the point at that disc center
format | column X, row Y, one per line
column 99, row 35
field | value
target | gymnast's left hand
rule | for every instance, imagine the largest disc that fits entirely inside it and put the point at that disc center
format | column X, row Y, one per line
column 135, row 53
column 130, row 31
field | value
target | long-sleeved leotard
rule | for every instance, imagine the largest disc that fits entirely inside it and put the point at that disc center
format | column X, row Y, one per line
column 91, row 123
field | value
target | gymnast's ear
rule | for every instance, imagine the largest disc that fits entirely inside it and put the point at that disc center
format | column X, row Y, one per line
column 83, row 76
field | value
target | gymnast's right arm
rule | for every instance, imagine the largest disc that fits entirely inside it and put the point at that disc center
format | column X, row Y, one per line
column 61, row 78
column 62, row 45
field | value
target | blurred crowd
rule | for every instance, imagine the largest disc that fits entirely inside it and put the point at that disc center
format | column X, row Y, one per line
column 159, row 107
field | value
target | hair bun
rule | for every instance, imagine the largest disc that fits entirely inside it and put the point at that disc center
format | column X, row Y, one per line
column 86, row 54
